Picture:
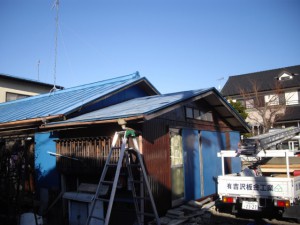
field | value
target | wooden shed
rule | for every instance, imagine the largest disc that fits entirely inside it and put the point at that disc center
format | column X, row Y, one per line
column 69, row 133
column 181, row 134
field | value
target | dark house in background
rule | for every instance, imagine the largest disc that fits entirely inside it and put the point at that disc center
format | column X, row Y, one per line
column 180, row 135
column 282, row 85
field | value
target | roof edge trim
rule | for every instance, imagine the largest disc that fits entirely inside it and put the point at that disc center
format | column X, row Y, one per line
column 83, row 123
column 29, row 121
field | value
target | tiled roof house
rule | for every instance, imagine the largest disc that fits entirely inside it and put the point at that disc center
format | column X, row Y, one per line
column 256, row 89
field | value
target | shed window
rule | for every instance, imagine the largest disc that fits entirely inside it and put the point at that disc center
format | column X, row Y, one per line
column 198, row 114
column 189, row 112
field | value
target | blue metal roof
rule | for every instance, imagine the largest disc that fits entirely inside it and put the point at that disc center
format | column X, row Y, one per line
column 149, row 105
column 62, row 101
column 137, row 106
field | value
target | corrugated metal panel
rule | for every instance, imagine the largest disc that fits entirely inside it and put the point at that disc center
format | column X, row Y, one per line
column 149, row 105
column 62, row 101
column 137, row 106
column 156, row 153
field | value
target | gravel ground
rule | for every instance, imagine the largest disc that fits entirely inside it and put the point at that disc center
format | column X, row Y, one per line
column 249, row 218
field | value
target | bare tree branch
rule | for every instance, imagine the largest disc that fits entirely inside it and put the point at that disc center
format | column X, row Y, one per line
column 264, row 109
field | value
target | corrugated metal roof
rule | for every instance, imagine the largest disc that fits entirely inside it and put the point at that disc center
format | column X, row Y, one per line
column 145, row 106
column 62, row 101
column 137, row 106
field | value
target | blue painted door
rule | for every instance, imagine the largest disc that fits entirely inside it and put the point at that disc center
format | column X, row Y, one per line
column 190, row 142
column 202, row 166
column 211, row 144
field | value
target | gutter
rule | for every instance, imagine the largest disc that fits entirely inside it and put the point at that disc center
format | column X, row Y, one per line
column 85, row 123
column 29, row 121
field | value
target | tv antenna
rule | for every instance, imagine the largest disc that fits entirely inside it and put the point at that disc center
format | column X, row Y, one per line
column 56, row 6
column 219, row 83
column 38, row 69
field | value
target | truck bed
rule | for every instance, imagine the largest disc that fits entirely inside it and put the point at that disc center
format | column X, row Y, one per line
column 259, row 187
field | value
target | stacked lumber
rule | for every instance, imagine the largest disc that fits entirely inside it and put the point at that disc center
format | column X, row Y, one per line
column 278, row 165
column 278, row 168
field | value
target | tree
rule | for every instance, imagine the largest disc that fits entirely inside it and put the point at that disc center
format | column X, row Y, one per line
column 238, row 106
column 264, row 109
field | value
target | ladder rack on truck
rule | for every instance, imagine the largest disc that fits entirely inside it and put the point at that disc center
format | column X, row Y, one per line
column 252, row 189
column 268, row 140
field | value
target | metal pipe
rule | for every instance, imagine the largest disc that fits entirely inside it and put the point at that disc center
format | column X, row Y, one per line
column 60, row 155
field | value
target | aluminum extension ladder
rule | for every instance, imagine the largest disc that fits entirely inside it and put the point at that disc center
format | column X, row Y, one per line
column 265, row 141
column 106, row 189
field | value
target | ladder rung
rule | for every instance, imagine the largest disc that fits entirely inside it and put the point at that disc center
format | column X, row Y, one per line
column 97, row 218
column 106, row 190
column 107, row 182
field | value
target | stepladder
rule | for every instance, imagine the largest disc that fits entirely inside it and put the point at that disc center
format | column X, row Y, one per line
column 127, row 166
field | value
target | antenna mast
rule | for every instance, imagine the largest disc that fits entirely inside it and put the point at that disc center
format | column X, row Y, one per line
column 38, row 68
column 56, row 6
column 219, row 85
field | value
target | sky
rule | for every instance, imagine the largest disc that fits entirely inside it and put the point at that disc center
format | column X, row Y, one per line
column 177, row 45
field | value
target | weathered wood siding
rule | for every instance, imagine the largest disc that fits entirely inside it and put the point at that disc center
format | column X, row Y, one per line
column 81, row 155
column 156, row 148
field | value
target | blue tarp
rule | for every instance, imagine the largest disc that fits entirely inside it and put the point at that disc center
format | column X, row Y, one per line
column 45, row 164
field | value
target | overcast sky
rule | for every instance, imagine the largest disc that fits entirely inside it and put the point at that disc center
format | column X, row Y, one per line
column 177, row 45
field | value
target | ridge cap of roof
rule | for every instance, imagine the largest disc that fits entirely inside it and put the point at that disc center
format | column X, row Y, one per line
column 261, row 71
column 132, row 76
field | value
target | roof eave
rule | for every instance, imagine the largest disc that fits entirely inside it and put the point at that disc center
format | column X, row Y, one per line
column 58, row 126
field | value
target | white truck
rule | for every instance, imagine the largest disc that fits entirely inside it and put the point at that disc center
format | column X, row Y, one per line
column 254, row 190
